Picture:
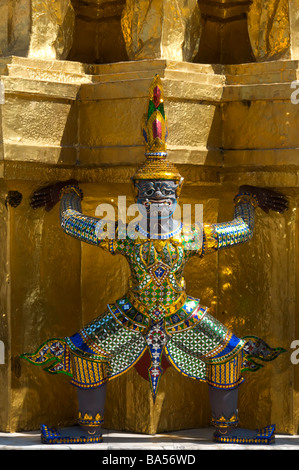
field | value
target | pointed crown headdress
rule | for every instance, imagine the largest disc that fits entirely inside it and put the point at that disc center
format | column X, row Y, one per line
column 155, row 132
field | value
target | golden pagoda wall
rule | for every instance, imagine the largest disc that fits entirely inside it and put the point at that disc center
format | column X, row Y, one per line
column 259, row 122
column 97, row 31
column 228, row 125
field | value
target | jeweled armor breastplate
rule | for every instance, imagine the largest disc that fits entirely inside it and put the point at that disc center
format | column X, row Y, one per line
column 157, row 286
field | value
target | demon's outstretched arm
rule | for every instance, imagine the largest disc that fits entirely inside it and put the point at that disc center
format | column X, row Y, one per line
column 240, row 228
column 73, row 222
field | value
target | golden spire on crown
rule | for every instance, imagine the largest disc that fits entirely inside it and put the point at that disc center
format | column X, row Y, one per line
column 155, row 132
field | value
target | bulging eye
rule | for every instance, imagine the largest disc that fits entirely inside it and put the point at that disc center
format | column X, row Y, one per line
column 167, row 192
column 149, row 192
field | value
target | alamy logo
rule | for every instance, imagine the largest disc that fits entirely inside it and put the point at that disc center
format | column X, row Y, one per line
column 295, row 94
column 295, row 354
column 135, row 222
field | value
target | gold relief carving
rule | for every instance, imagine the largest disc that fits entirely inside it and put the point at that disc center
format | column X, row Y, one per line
column 36, row 28
column 294, row 28
column 261, row 26
column 89, row 31
column 52, row 29
column 269, row 29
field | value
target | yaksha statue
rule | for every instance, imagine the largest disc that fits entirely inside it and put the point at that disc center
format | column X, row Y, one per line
column 156, row 319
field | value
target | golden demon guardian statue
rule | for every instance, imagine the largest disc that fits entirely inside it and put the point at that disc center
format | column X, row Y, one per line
column 156, row 321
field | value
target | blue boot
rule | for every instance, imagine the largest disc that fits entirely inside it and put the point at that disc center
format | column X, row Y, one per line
column 224, row 404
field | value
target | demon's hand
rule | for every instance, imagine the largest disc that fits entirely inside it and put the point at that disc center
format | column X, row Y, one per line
column 48, row 196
